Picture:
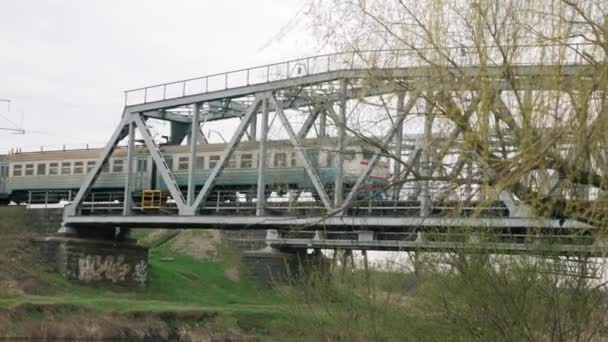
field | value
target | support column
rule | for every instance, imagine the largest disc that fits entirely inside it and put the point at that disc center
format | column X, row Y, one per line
column 341, row 126
column 468, row 187
column 127, row 201
column 322, row 124
column 86, row 259
column 194, row 139
column 398, row 148
column 262, row 160
column 426, row 170
column 294, row 195
column 253, row 128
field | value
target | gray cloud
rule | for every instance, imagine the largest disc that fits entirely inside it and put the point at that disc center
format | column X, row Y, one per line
column 65, row 63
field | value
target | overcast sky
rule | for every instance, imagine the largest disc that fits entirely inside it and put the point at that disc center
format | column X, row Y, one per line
column 65, row 63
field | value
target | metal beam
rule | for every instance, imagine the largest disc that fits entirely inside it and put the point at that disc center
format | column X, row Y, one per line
column 537, row 73
column 411, row 160
column 398, row 148
column 534, row 247
column 323, row 125
column 312, row 173
column 228, row 151
column 426, row 169
column 161, row 164
column 202, row 139
column 458, row 129
column 308, row 123
column 179, row 131
column 194, row 139
column 332, row 114
column 262, row 161
column 127, row 201
column 119, row 134
column 262, row 222
column 372, row 163
column 253, row 128
column 341, row 126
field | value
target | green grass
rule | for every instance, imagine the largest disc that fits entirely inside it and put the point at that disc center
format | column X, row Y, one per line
column 202, row 282
column 179, row 284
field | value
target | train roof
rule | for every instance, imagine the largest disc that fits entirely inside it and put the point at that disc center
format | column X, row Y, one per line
column 121, row 151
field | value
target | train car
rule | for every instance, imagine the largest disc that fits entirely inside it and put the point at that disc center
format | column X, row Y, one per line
column 4, row 192
column 66, row 170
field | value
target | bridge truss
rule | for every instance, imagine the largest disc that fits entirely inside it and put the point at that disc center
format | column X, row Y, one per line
column 421, row 117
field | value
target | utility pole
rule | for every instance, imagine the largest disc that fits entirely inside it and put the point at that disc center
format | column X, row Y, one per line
column 8, row 107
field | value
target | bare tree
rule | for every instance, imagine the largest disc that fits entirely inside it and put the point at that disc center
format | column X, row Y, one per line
column 513, row 108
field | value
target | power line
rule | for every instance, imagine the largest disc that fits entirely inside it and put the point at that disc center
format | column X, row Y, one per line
column 16, row 127
column 19, row 131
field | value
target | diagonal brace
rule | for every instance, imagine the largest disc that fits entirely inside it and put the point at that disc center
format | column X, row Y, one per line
column 161, row 165
column 228, row 151
column 310, row 121
column 119, row 134
column 295, row 141
column 372, row 163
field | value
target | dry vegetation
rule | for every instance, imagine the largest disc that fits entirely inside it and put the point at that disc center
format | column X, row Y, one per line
column 540, row 139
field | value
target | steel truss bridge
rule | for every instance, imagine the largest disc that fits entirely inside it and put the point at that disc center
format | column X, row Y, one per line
column 421, row 210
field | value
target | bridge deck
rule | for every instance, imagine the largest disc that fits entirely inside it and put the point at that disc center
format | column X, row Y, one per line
column 266, row 222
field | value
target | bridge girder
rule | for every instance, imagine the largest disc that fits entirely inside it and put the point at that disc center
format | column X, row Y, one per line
column 319, row 93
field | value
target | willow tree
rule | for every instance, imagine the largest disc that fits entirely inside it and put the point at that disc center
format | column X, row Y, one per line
column 519, row 89
column 539, row 137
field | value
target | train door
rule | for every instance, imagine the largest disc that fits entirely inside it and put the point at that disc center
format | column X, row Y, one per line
column 3, row 177
column 158, row 182
column 141, row 174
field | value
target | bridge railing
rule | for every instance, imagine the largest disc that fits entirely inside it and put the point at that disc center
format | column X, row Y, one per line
column 306, row 202
column 455, row 57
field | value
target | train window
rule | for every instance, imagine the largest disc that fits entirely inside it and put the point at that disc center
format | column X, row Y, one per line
column 169, row 161
column 294, row 159
column 53, row 168
column 231, row 164
column 280, row 159
column 29, row 169
column 90, row 165
column 41, row 169
column 183, row 163
column 200, row 163
column 118, row 165
column 142, row 165
column 213, row 161
column 66, row 168
column 78, row 167
column 349, row 155
column 105, row 168
column 247, row 160
column 17, row 170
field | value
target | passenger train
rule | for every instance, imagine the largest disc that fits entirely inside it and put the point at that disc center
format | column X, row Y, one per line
column 21, row 173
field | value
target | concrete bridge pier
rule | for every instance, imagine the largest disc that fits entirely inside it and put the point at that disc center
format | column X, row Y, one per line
column 269, row 266
column 96, row 256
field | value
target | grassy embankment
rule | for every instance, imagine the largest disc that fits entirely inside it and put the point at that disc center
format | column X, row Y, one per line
column 202, row 286
column 197, row 289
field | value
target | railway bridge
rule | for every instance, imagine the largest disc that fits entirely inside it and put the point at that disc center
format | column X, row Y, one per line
column 443, row 132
